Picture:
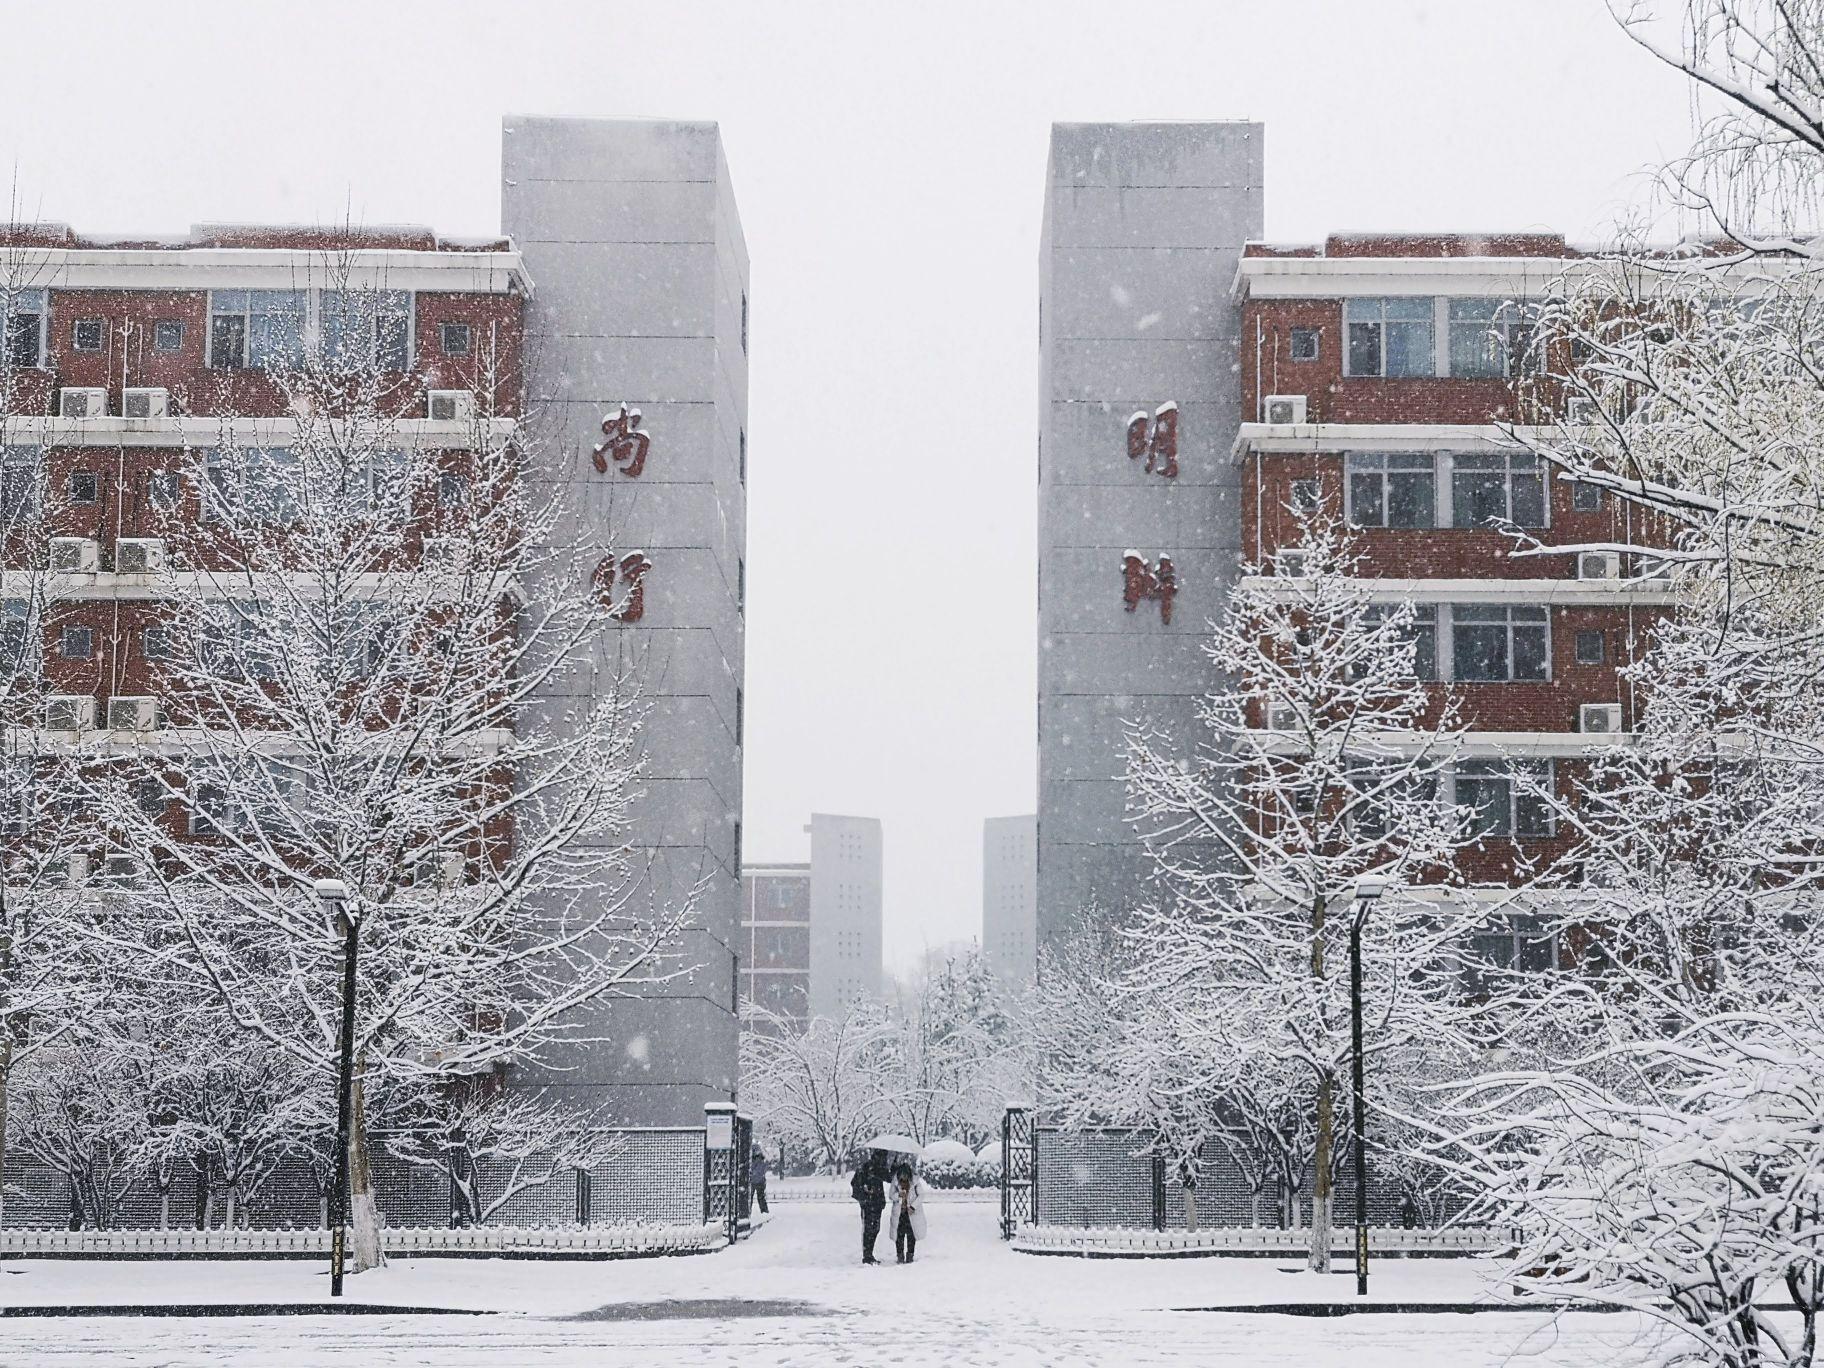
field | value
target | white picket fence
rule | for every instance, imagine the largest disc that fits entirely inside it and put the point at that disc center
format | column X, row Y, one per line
column 402, row 1240
column 1466, row 1241
column 837, row 1190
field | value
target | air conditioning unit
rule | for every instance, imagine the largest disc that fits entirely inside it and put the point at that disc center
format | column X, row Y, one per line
column 145, row 403
column 132, row 714
column 1282, row 717
column 139, row 556
column 75, row 402
column 75, row 869
column 1284, row 408
column 1289, row 564
column 1598, row 565
column 451, row 406
column 1599, row 719
column 69, row 712
column 1582, row 409
column 450, row 868
column 75, row 555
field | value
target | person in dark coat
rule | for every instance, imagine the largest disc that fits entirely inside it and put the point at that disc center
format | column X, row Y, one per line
column 869, row 1189
column 756, row 1176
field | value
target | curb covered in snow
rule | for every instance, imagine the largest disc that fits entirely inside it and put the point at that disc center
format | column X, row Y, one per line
column 485, row 1242
column 332, row 1308
column 1104, row 1242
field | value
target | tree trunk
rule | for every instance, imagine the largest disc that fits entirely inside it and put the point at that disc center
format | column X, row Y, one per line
column 229, row 1204
column 1320, row 1176
column 1190, row 1210
column 6, row 1088
column 364, row 1212
column 164, row 1207
column 1254, row 1208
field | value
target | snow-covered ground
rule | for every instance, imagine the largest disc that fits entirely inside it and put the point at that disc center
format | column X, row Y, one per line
column 793, row 1294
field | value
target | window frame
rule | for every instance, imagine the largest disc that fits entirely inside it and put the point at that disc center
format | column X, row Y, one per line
column 16, row 458
column 1602, row 646
column 444, row 330
column 11, row 302
column 100, row 327
column 75, row 499
column 1380, row 467
column 1505, row 318
column 247, row 313
column 1466, row 617
column 1314, row 336
column 365, row 310
column 1372, row 311
column 158, row 333
column 1513, row 825
column 1514, row 466
column 76, row 632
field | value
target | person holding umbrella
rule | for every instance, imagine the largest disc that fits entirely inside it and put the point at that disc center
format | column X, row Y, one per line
column 868, row 1187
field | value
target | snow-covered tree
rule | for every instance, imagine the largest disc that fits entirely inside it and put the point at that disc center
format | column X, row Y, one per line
column 363, row 628
column 1324, row 760
column 955, row 1052
column 826, row 1088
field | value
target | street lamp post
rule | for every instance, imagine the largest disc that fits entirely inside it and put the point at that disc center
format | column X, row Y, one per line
column 1367, row 889
column 333, row 894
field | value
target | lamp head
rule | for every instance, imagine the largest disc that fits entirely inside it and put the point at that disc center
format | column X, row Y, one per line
column 1369, row 887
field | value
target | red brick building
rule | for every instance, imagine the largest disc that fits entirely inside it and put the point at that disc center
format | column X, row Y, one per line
column 129, row 366
column 1385, row 377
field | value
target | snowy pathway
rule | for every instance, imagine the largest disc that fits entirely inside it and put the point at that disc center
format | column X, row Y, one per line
column 795, row 1294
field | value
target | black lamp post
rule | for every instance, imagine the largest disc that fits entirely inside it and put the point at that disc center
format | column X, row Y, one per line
column 1367, row 889
column 333, row 894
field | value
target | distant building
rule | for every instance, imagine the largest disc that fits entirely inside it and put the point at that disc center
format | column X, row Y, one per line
column 1010, row 897
column 775, row 943
column 810, row 939
column 847, row 961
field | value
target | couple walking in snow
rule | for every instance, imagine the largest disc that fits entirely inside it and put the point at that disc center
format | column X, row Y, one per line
column 873, row 1187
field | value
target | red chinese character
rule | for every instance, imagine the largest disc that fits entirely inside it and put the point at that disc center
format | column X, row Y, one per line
column 631, row 570
column 623, row 443
column 1145, row 582
column 1155, row 438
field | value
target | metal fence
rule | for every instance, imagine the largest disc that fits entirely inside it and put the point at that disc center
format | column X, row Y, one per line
column 657, row 1176
column 1110, row 1178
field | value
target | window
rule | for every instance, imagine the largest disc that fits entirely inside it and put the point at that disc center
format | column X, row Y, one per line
column 452, row 489
column 385, row 483
column 364, row 639
column 1304, row 344
column 258, row 329
column 255, row 484
column 16, row 639
column 367, row 328
column 1586, row 498
column 163, row 489
column 149, row 796
column 1399, row 489
column 89, row 334
column 1497, row 487
column 1505, row 798
column 1307, row 497
column 18, row 484
column 76, row 643
column 84, row 487
column 1496, row 644
column 155, row 642
column 454, row 338
column 1589, row 648
column 1491, row 338
column 22, row 326
column 168, row 335
column 210, row 812
column 1523, row 943
column 15, row 796
column 1382, row 799
column 1390, row 337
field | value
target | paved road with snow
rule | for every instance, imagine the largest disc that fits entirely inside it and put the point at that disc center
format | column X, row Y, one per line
column 794, row 1294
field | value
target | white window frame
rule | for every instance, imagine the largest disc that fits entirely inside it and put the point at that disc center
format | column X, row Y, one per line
column 406, row 301
column 1379, row 463
column 1361, row 302
column 30, row 459
column 1508, row 315
column 1449, row 620
column 10, row 302
column 1447, row 517
column 1510, row 771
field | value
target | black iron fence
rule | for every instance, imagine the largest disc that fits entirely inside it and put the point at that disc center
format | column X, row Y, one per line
column 656, row 1176
column 1103, row 1177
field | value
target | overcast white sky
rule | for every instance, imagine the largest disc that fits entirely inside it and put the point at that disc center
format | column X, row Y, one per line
column 888, row 161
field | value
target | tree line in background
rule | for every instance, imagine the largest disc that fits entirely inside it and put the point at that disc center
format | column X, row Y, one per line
column 376, row 661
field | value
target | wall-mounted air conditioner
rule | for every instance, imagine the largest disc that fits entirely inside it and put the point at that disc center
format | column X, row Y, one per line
column 75, row 555
column 139, row 555
column 1289, row 564
column 451, row 406
column 1599, row 719
column 450, row 868
column 1582, row 409
column 75, row 869
column 132, row 714
column 150, row 402
column 1282, row 717
column 82, row 402
column 121, row 869
column 69, row 713
column 1283, row 408
column 1598, row 565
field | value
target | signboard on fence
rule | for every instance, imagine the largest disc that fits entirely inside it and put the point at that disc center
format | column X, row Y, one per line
column 719, row 1131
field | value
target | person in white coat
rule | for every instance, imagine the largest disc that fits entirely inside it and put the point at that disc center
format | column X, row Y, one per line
column 907, row 1193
